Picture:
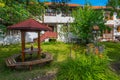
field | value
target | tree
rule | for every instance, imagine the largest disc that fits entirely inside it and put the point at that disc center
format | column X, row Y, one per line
column 114, row 5
column 85, row 19
column 11, row 12
column 14, row 13
column 61, row 5
column 2, row 4
column 36, row 8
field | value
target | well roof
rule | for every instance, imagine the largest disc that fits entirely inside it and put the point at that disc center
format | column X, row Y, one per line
column 29, row 25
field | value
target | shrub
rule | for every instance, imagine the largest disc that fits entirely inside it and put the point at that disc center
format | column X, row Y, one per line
column 85, row 68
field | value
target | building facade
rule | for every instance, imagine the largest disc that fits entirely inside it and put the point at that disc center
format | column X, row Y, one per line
column 54, row 19
column 57, row 20
column 114, row 33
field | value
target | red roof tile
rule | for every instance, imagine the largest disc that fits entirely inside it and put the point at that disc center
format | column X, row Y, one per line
column 70, row 5
column 98, row 7
column 29, row 25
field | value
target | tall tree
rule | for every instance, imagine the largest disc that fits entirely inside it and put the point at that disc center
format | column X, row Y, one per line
column 11, row 12
column 85, row 19
column 36, row 8
column 17, row 10
column 115, row 6
column 2, row 4
column 61, row 5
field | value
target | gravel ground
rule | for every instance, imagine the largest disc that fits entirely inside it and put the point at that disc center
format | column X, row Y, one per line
column 46, row 77
column 50, row 75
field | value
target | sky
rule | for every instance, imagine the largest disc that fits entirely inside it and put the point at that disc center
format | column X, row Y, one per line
column 92, row 2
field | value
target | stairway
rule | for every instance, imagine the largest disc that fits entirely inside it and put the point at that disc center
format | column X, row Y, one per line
column 47, row 35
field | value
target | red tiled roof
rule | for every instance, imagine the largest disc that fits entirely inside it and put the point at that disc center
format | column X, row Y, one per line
column 70, row 5
column 98, row 7
column 77, row 5
column 73, row 5
column 29, row 25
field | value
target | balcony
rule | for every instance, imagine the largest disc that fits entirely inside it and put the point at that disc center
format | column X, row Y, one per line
column 57, row 18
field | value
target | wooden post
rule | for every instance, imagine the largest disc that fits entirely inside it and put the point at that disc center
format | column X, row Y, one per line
column 39, row 50
column 30, row 66
column 23, row 45
column 96, row 51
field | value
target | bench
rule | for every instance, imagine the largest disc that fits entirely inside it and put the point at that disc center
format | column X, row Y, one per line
column 10, row 62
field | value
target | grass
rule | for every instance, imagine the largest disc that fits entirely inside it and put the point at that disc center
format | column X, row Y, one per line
column 89, row 67
column 60, row 52
column 113, row 50
column 85, row 67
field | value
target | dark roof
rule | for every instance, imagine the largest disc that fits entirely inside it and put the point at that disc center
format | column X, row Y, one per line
column 29, row 25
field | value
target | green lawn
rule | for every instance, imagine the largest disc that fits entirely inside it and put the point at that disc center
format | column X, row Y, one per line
column 60, row 52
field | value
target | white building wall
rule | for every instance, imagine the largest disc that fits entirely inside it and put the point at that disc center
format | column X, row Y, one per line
column 11, row 39
column 64, row 36
column 14, row 39
column 1, row 40
column 114, row 16
column 30, row 36
column 60, row 33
